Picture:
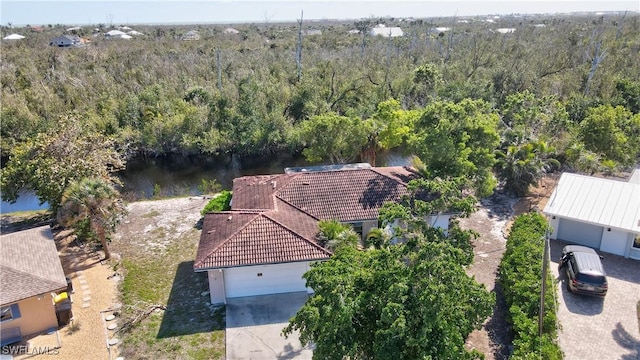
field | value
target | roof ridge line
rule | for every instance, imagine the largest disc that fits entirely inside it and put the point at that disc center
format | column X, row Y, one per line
column 293, row 206
column 295, row 233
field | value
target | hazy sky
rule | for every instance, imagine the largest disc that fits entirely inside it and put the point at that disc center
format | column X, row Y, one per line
column 22, row 12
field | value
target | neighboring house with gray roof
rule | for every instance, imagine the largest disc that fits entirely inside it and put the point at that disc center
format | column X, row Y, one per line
column 30, row 275
column 65, row 41
column 269, row 238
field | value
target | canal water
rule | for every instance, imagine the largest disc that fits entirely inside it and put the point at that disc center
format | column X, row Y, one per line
column 182, row 175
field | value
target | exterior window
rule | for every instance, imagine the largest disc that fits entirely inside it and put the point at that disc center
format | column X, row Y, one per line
column 357, row 227
column 10, row 312
column 636, row 242
column 6, row 313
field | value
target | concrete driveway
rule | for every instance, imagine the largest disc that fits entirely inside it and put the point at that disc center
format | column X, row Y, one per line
column 594, row 328
column 255, row 323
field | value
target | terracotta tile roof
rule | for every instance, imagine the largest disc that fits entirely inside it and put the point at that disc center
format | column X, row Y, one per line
column 274, row 218
column 29, row 265
column 256, row 192
column 237, row 238
column 349, row 195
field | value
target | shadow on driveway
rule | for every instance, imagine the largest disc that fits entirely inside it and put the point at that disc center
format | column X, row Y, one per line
column 627, row 341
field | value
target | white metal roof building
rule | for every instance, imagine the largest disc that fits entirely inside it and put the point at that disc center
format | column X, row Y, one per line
column 382, row 30
column 597, row 212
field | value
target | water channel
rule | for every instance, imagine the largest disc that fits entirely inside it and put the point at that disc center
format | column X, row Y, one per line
column 182, row 175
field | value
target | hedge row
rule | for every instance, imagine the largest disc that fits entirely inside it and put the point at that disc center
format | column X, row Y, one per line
column 520, row 272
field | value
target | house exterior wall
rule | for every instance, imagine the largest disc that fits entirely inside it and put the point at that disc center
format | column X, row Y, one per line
column 439, row 221
column 608, row 240
column 367, row 226
column 216, row 286
column 36, row 316
column 265, row 279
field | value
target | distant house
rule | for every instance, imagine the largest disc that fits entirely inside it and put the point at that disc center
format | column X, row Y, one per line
column 353, row 32
column 312, row 32
column 506, row 30
column 65, row 41
column 191, row 35
column 268, row 239
column 382, row 30
column 600, row 213
column 13, row 37
column 117, row 34
column 31, row 276
column 231, row 31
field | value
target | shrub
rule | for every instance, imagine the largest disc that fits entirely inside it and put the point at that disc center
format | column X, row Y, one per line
column 221, row 202
column 520, row 279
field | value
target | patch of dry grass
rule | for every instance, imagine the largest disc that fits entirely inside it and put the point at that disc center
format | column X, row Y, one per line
column 158, row 249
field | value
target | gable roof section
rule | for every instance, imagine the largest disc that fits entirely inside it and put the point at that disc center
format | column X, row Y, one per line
column 241, row 238
column 609, row 203
column 348, row 195
column 30, row 265
column 274, row 218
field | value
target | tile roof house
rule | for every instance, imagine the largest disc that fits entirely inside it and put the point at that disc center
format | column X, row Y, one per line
column 601, row 213
column 30, row 273
column 268, row 239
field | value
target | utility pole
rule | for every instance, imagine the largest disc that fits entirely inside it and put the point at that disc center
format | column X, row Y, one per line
column 543, row 292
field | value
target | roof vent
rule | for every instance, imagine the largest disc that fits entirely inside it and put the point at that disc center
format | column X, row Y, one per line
column 230, row 217
column 305, row 183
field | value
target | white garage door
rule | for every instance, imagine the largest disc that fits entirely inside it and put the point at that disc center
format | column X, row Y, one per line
column 615, row 242
column 580, row 233
column 265, row 279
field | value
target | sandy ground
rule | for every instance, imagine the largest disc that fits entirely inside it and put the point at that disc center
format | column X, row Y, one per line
column 492, row 221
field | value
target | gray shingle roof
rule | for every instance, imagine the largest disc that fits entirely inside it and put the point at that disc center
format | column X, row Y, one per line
column 29, row 265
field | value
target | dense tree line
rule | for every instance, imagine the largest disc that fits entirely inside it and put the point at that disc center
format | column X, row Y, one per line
column 468, row 101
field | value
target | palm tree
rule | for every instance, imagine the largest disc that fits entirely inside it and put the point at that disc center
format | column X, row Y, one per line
column 94, row 201
column 523, row 165
column 334, row 234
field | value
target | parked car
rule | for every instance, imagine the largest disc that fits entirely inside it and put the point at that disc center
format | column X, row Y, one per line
column 585, row 274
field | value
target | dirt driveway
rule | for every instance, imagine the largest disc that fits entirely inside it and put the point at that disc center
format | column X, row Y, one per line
column 594, row 328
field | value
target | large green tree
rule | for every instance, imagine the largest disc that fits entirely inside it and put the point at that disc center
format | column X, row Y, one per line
column 333, row 137
column 92, row 202
column 612, row 132
column 409, row 298
column 406, row 301
column 49, row 162
column 458, row 140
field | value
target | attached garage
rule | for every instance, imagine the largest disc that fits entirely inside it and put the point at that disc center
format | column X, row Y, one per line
column 580, row 233
column 600, row 213
column 265, row 279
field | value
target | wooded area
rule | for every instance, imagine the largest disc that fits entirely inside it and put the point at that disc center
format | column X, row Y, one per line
column 473, row 101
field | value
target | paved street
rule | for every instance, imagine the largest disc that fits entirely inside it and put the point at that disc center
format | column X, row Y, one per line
column 593, row 328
